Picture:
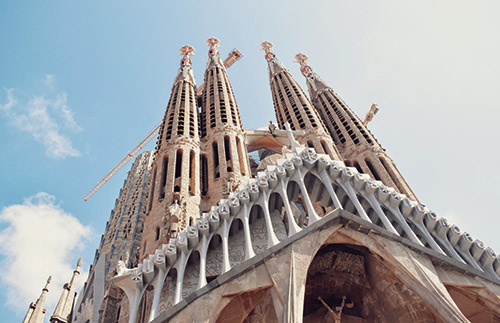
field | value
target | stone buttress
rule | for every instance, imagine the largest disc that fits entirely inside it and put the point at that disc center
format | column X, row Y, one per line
column 292, row 105
column 356, row 144
column 224, row 162
column 175, row 190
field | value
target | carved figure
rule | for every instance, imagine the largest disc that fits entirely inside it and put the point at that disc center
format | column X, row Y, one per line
column 338, row 309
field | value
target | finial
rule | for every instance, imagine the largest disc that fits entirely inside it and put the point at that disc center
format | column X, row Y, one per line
column 47, row 284
column 79, row 263
column 186, row 51
column 267, row 46
column 213, row 43
column 306, row 70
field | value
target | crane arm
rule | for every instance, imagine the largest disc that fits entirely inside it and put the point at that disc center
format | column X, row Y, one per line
column 125, row 160
column 369, row 116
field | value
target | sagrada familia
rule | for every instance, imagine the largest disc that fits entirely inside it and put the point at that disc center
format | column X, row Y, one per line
column 322, row 227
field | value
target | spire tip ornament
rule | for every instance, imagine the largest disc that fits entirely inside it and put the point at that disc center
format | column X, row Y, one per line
column 213, row 43
column 302, row 59
column 267, row 46
column 186, row 51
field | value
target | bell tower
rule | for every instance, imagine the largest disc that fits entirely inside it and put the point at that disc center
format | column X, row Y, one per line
column 175, row 187
column 356, row 144
column 224, row 162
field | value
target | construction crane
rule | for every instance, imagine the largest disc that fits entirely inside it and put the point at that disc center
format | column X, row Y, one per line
column 233, row 56
column 369, row 116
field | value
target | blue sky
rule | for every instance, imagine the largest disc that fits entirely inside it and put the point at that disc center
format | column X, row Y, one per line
column 82, row 83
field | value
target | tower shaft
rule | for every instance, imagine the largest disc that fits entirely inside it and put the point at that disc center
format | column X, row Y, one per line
column 224, row 162
column 175, row 187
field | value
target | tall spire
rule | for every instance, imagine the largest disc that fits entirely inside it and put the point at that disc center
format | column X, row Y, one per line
column 355, row 142
column 224, row 162
column 175, row 188
column 36, row 311
column 64, row 308
column 292, row 105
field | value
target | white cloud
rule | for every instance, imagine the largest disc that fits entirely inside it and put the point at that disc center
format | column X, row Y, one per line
column 40, row 239
column 43, row 118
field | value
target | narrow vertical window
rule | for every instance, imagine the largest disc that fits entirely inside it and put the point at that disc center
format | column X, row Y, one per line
column 372, row 169
column 191, row 172
column 204, row 175
column 151, row 196
column 163, row 177
column 215, row 154
column 227, row 152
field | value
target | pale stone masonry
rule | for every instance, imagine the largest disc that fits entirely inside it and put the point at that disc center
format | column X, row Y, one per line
column 355, row 142
column 175, row 189
column 224, row 162
column 121, row 240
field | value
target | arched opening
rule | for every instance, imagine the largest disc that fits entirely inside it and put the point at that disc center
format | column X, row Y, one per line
column 473, row 304
column 297, row 204
column 215, row 156
column 240, row 306
column 178, row 171
column 236, row 243
column 145, row 305
column 167, row 295
column 227, row 152
column 258, row 229
column 374, row 172
column 157, row 233
column 152, row 194
column 204, row 175
column 191, row 274
column 320, row 198
column 278, row 216
column 350, row 283
column 214, row 258
column 192, row 172
column 163, row 176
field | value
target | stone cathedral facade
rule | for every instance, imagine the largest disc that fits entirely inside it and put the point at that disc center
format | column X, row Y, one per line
column 323, row 229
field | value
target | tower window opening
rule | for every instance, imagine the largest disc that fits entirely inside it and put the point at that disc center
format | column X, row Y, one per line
column 393, row 176
column 204, row 175
column 372, row 169
column 157, row 235
column 358, row 167
column 323, row 145
column 227, row 148
column 192, row 177
column 215, row 154
column 163, row 177
column 153, row 179
column 178, row 164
